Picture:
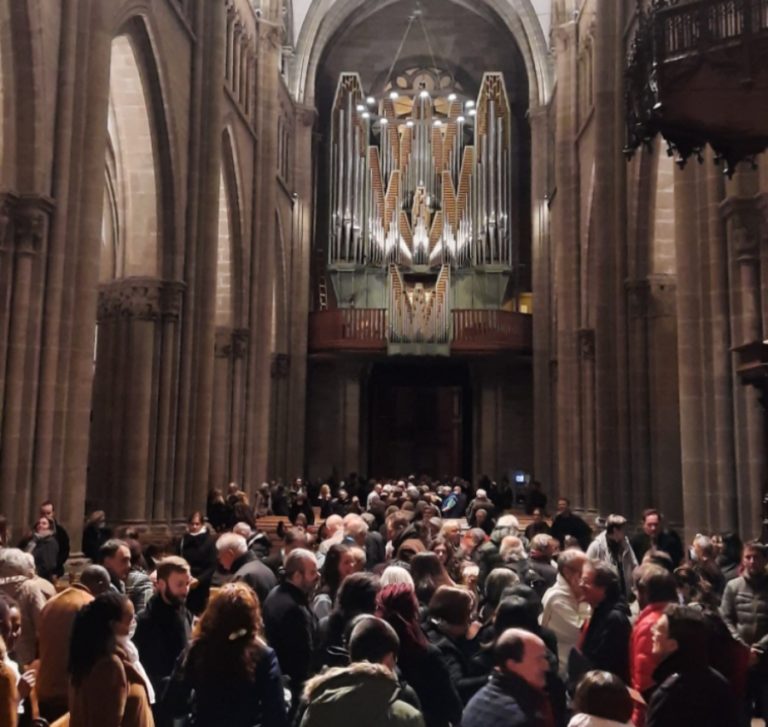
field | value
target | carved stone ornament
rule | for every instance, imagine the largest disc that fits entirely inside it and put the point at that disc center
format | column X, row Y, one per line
column 586, row 340
column 30, row 223
column 281, row 364
column 143, row 299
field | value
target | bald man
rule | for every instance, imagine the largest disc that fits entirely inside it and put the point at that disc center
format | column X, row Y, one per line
column 54, row 630
column 514, row 695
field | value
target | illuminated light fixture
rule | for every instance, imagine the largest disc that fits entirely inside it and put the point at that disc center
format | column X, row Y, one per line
column 384, row 121
column 370, row 100
column 394, row 95
column 360, row 108
column 461, row 119
column 424, row 94
column 366, row 115
column 438, row 122
column 473, row 112
column 470, row 104
column 452, row 97
column 409, row 123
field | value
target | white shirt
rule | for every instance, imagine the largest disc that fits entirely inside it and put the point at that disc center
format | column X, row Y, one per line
column 564, row 615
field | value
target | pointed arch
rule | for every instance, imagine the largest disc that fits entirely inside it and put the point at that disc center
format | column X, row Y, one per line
column 326, row 17
column 232, row 188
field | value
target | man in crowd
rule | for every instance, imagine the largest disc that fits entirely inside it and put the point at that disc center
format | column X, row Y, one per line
column 612, row 547
column 257, row 542
column 236, row 563
column 564, row 611
column 288, row 622
column 115, row 556
column 164, row 627
column 653, row 536
column 566, row 523
column 356, row 531
column 745, row 611
column 54, row 629
column 690, row 691
column 540, row 562
column 60, row 534
column 514, row 695
column 365, row 692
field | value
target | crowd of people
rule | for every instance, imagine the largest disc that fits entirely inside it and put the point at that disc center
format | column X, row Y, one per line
column 403, row 603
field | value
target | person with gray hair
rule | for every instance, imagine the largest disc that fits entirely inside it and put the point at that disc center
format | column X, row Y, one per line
column 237, row 563
column 289, row 624
column 612, row 547
column 19, row 581
column 564, row 612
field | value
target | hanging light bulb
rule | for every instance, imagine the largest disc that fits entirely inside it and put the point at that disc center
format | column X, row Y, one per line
column 366, row 115
column 452, row 97
column 473, row 112
column 370, row 100
column 360, row 108
column 438, row 122
column 384, row 121
column 394, row 95
column 409, row 124
column 424, row 94
column 470, row 104
column 461, row 119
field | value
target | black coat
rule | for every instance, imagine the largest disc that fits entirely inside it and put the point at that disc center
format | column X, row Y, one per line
column 457, row 655
column 668, row 541
column 162, row 633
column 606, row 643
column 291, row 629
column 93, row 538
column 429, row 676
column 62, row 538
column 200, row 552
column 571, row 524
column 506, row 701
column 690, row 693
column 251, row 571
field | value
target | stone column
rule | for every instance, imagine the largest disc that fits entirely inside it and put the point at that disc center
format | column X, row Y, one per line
column 544, row 441
column 303, row 213
column 265, row 162
column 239, row 373
column 280, row 422
column 222, row 409
column 7, row 205
column 565, row 219
column 30, row 243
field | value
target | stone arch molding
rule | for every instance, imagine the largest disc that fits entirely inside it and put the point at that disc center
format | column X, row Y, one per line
column 325, row 17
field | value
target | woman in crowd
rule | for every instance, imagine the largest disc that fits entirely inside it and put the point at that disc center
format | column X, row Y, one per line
column 729, row 557
column 107, row 685
column 43, row 546
column 419, row 661
column 451, row 630
column 229, row 676
column 198, row 548
column 95, row 534
column 216, row 510
column 445, row 551
column 339, row 563
column 138, row 585
column 428, row 575
column 601, row 700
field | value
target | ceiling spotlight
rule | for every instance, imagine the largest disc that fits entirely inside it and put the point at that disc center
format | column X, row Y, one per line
column 438, row 122
column 470, row 104
column 452, row 97
column 473, row 112
column 384, row 121
column 370, row 100
column 394, row 95
column 424, row 94
column 461, row 119
column 366, row 115
column 409, row 124
column 360, row 108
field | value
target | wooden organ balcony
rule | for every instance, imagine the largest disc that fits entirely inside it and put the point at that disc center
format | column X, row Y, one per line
column 473, row 332
column 698, row 74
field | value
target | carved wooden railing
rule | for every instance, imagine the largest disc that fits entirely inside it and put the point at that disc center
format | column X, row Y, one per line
column 365, row 330
column 491, row 330
column 702, row 25
column 348, row 329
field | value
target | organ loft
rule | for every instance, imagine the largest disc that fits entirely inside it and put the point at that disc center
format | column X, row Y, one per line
column 245, row 240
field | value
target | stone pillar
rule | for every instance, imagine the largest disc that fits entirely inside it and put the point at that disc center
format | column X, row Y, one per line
column 304, row 214
column 565, row 219
column 545, row 438
column 281, row 422
column 25, row 251
column 222, row 409
column 239, row 371
column 265, row 163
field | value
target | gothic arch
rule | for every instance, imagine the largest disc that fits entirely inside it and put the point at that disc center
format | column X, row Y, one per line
column 138, row 31
column 232, row 187
column 326, row 17
column 280, row 290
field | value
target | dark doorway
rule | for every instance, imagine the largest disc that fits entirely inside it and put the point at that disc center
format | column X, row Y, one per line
column 420, row 419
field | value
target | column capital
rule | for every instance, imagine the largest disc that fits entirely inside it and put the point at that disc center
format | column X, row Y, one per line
column 306, row 115
column 31, row 214
column 144, row 299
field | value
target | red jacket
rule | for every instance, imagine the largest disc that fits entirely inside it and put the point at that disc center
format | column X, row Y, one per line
column 642, row 662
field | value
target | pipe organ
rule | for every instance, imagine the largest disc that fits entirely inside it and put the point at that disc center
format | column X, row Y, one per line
column 420, row 200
